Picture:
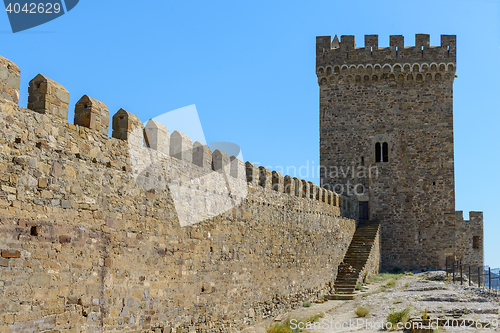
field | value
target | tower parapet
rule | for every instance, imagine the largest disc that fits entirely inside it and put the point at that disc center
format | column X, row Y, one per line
column 347, row 63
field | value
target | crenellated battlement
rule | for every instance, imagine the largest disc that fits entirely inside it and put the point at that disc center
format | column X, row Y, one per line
column 50, row 98
column 342, row 62
column 474, row 216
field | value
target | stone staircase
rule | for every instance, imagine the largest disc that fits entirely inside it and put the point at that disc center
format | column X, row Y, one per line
column 355, row 260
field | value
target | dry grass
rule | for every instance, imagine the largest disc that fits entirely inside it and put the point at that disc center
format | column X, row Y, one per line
column 286, row 325
column 398, row 317
column 361, row 311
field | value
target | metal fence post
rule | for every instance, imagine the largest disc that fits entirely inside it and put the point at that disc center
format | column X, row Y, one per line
column 469, row 277
column 447, row 267
column 453, row 271
column 489, row 278
column 478, row 276
column 461, row 274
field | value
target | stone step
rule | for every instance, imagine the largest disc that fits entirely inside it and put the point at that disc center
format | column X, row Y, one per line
column 362, row 242
column 343, row 285
column 363, row 256
column 350, row 281
column 345, row 290
column 355, row 259
column 340, row 297
column 349, row 275
column 353, row 250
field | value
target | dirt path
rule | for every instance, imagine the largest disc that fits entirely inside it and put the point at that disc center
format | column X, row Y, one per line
column 423, row 291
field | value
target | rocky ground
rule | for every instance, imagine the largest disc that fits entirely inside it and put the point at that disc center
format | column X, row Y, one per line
column 421, row 291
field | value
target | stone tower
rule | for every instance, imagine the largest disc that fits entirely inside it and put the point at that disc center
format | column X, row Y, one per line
column 386, row 138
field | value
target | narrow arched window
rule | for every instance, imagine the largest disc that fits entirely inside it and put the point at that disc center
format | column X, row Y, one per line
column 378, row 152
column 385, row 152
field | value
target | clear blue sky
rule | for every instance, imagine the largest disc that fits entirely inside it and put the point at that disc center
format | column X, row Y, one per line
column 249, row 66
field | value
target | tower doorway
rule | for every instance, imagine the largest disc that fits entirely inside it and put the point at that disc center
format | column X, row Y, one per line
column 363, row 211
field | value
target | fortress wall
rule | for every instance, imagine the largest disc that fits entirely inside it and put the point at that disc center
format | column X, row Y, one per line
column 100, row 233
column 470, row 240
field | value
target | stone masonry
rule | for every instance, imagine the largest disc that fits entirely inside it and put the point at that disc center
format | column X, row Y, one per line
column 386, row 139
column 90, row 232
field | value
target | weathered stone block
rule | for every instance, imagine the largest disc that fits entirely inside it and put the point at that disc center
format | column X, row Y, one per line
column 306, row 189
column 64, row 239
column 297, row 187
column 221, row 162
column 181, row 146
column 66, row 204
column 48, row 96
column 157, row 136
column 11, row 254
column 42, row 182
column 312, row 190
column 278, row 182
column 126, row 126
column 10, row 79
column 252, row 172
column 202, row 156
column 289, row 185
column 265, row 177
column 237, row 168
column 92, row 114
column 4, row 262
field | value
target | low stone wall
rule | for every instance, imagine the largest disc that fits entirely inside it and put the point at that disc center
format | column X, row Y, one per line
column 91, row 241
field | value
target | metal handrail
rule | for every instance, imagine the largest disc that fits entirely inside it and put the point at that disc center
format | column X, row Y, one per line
column 480, row 276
